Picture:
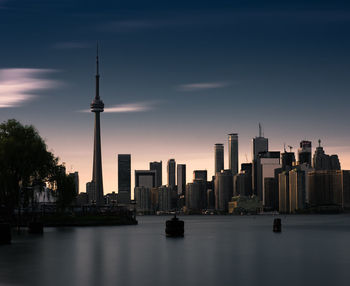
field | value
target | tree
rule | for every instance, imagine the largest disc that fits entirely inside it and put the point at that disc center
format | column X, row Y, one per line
column 24, row 159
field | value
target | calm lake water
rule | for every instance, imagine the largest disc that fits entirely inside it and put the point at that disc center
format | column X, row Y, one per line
column 216, row 250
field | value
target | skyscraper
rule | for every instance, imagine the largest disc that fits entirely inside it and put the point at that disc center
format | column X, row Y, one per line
column 97, row 106
column 124, row 178
column 145, row 178
column 266, row 164
column 219, row 157
column 181, row 179
column 223, row 190
column 157, row 166
column 260, row 144
column 304, row 152
column 233, row 152
column 171, row 172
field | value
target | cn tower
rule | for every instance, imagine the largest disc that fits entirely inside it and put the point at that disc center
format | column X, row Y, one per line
column 97, row 107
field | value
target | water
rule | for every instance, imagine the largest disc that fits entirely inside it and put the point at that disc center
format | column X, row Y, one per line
column 216, row 250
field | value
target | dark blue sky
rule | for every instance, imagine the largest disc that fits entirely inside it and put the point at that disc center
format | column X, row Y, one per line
column 184, row 73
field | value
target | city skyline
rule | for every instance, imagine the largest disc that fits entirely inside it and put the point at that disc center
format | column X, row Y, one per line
column 177, row 77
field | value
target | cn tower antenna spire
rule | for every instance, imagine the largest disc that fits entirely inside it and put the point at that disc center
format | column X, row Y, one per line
column 97, row 68
column 97, row 75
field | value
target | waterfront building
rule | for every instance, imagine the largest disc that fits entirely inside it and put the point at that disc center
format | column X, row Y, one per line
column 304, row 152
column 270, row 194
column 283, row 192
column 181, row 179
column 219, row 157
column 82, row 199
column 196, row 196
column 112, row 198
column 345, row 179
column 297, row 190
column 242, row 182
column 164, row 199
column 124, row 179
column 266, row 164
column 233, row 152
column 325, row 188
column 154, row 199
column 143, row 199
column 157, row 166
column 171, row 166
column 223, row 190
column 97, row 106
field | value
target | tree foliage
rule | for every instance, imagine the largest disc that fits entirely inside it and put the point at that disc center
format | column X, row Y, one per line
column 24, row 159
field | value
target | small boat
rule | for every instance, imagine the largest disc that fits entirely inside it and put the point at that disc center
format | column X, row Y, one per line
column 277, row 225
column 174, row 227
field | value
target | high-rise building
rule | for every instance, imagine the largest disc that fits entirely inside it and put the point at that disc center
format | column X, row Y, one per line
column 223, row 190
column 157, row 166
column 145, row 178
column 181, row 179
column 322, row 161
column 143, row 199
column 124, row 178
column 283, row 192
column 270, row 195
column 297, row 191
column 200, row 175
column 233, row 152
column 97, row 106
column 164, row 199
column 75, row 177
column 242, row 183
column 90, row 191
column 288, row 160
column 325, row 188
column 260, row 144
column 219, row 157
column 171, row 172
column 304, row 152
column 196, row 196
column 266, row 164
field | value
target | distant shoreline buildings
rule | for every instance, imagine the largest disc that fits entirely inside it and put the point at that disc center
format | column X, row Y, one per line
column 272, row 181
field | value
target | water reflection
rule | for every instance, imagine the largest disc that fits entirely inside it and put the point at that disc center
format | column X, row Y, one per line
column 311, row 250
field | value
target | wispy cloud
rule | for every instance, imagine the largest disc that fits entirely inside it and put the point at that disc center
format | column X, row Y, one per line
column 202, row 86
column 18, row 85
column 128, row 107
column 70, row 45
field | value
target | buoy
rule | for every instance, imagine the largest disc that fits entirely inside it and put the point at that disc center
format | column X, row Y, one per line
column 174, row 227
column 36, row 227
column 277, row 225
column 5, row 233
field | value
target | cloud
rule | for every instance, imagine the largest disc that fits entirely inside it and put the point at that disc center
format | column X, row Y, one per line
column 202, row 86
column 70, row 45
column 128, row 107
column 17, row 85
